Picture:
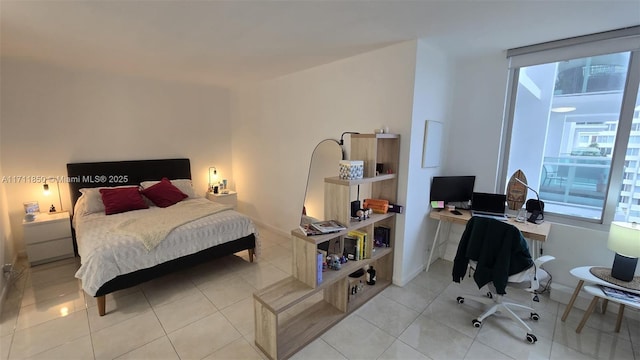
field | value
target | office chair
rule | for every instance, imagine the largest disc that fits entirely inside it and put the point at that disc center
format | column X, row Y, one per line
column 497, row 254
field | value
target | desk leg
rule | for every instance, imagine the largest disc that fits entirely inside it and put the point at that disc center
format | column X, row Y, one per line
column 620, row 315
column 433, row 246
column 587, row 314
column 534, row 245
column 573, row 299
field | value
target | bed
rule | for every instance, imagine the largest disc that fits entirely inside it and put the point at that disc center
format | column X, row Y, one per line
column 113, row 259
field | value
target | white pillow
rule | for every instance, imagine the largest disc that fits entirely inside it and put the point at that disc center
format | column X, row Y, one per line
column 184, row 185
column 92, row 201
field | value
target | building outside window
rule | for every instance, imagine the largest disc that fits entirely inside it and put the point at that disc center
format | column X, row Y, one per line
column 573, row 126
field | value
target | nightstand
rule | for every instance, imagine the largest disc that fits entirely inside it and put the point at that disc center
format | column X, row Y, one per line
column 227, row 199
column 48, row 237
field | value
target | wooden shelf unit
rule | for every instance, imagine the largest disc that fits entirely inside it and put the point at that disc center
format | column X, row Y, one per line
column 293, row 312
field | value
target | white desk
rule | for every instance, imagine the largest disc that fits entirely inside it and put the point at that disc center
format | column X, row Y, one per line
column 536, row 232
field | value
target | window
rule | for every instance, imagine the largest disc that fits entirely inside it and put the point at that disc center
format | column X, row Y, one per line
column 573, row 125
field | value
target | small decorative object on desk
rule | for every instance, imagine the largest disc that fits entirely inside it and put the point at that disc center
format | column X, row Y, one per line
column 351, row 169
column 516, row 190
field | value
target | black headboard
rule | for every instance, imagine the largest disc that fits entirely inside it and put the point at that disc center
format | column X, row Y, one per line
column 118, row 173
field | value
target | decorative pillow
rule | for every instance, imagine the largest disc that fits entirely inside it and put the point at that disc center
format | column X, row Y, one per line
column 164, row 194
column 92, row 200
column 185, row 185
column 119, row 200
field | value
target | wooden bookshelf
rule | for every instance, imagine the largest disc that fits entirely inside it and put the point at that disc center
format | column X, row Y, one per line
column 293, row 312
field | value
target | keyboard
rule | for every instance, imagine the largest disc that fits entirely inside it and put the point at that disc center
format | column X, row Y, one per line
column 502, row 217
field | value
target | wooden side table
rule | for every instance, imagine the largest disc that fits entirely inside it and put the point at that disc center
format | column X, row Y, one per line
column 230, row 198
column 584, row 274
column 598, row 293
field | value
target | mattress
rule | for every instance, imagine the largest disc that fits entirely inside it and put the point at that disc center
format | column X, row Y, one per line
column 106, row 254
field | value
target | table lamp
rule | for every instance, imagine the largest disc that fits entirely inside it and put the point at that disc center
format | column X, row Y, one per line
column 46, row 191
column 213, row 179
column 624, row 239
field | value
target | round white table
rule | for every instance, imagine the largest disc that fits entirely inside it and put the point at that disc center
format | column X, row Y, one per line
column 597, row 293
column 584, row 274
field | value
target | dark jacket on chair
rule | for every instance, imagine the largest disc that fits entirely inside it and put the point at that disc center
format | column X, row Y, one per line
column 499, row 249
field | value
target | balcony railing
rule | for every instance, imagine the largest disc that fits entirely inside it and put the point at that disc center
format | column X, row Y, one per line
column 575, row 180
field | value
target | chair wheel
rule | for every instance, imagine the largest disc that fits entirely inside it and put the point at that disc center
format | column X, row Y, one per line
column 476, row 323
column 531, row 338
column 535, row 316
column 460, row 300
column 489, row 295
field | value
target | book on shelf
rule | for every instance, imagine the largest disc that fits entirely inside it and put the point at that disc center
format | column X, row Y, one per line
column 320, row 260
column 328, row 226
column 381, row 236
column 350, row 244
column 363, row 248
column 620, row 294
column 308, row 230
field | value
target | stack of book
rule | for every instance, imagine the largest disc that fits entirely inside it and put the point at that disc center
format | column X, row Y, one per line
column 621, row 294
column 322, row 227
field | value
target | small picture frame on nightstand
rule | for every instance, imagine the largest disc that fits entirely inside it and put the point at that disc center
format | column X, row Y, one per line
column 31, row 207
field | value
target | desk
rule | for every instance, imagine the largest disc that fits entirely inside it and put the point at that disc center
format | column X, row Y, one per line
column 583, row 273
column 537, row 232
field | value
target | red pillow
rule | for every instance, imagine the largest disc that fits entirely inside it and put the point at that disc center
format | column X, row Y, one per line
column 118, row 200
column 164, row 193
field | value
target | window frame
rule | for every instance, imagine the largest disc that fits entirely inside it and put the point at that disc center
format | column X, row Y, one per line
column 590, row 45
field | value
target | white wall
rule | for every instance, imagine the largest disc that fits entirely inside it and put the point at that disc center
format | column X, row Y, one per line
column 52, row 116
column 7, row 252
column 473, row 147
column 277, row 123
column 431, row 101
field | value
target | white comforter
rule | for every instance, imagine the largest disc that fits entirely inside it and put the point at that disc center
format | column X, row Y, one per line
column 106, row 254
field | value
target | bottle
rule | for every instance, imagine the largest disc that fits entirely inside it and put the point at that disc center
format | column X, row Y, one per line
column 371, row 276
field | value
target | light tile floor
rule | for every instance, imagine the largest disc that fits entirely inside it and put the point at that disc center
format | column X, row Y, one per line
column 206, row 312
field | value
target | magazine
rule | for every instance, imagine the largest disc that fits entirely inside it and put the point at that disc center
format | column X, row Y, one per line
column 328, row 226
column 308, row 230
column 620, row 294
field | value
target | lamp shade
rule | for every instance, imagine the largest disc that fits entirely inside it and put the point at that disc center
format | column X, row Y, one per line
column 213, row 175
column 624, row 239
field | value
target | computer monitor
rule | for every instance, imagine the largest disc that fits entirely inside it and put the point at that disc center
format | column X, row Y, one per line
column 452, row 189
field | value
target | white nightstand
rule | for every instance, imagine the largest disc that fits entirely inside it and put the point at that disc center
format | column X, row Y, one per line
column 48, row 237
column 227, row 199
